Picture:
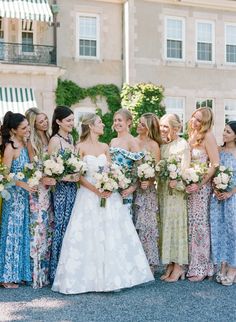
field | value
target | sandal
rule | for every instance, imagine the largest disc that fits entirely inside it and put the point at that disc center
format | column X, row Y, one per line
column 10, row 285
column 229, row 280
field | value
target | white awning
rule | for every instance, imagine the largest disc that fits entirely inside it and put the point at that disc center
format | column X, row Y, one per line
column 17, row 100
column 26, row 9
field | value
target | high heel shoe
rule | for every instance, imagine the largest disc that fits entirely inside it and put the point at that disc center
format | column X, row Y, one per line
column 199, row 278
column 175, row 276
column 168, row 272
column 229, row 280
column 220, row 277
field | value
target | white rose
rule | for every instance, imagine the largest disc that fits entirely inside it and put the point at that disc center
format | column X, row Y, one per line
column 224, row 178
column 217, row 180
column 172, row 168
column 173, row 175
column 222, row 168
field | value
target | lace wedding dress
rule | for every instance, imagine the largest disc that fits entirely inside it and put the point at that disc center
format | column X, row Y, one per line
column 101, row 250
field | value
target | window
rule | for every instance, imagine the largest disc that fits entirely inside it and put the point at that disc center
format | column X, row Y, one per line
column 27, row 36
column 205, row 45
column 204, row 102
column 230, row 110
column 88, row 29
column 176, row 105
column 174, row 41
column 230, row 43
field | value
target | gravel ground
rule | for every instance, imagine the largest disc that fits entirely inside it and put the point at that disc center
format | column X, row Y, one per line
column 156, row 301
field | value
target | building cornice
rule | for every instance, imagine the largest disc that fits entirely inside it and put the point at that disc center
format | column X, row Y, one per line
column 31, row 69
column 112, row 1
column 228, row 5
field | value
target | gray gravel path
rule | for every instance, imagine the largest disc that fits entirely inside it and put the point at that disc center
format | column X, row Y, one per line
column 157, row 301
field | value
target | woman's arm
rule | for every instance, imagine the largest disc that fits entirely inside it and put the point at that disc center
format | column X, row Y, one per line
column 54, row 145
column 213, row 154
column 30, row 150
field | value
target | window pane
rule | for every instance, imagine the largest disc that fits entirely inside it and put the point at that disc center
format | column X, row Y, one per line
column 175, row 105
column 201, row 102
column 204, row 51
column 27, row 42
column 174, row 29
column 231, row 35
column 231, row 54
column 174, row 49
column 88, row 27
column 204, row 32
column 88, row 48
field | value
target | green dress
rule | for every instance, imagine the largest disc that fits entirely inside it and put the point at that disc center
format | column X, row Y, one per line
column 173, row 208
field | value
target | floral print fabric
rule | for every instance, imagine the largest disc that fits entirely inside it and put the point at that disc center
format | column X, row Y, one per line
column 15, row 237
column 223, row 220
column 199, row 227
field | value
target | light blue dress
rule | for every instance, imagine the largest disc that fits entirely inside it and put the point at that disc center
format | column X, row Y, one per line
column 223, row 220
column 125, row 159
column 15, row 237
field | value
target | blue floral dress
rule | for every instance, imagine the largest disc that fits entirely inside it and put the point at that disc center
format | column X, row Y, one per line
column 223, row 220
column 125, row 159
column 63, row 202
column 15, row 237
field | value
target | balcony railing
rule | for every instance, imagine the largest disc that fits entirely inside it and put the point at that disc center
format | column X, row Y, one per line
column 27, row 54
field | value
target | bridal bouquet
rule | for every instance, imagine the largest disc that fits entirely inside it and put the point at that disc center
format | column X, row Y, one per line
column 6, row 181
column 147, row 170
column 222, row 180
column 32, row 174
column 169, row 169
column 106, row 180
column 195, row 173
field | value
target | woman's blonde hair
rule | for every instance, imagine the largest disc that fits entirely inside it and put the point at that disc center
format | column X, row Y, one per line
column 126, row 114
column 152, row 125
column 174, row 123
column 31, row 115
column 87, row 120
column 206, row 123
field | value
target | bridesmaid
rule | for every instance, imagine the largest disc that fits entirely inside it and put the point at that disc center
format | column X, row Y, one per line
column 15, row 237
column 145, row 200
column 223, row 214
column 41, row 217
column 124, row 149
column 65, row 190
column 173, row 207
column 203, row 149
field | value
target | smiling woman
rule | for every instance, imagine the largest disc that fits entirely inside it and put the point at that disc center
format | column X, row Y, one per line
column 65, row 190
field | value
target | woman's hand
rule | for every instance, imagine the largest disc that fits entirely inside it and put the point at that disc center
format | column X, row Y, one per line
column 126, row 192
column 223, row 195
column 145, row 184
column 192, row 188
column 47, row 181
column 26, row 187
column 103, row 194
column 172, row 184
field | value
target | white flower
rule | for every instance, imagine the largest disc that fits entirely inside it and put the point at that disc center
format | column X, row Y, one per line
column 172, row 167
column 20, row 176
column 32, row 182
column 222, row 168
column 29, row 166
column 38, row 174
column 173, row 175
column 36, row 159
column 224, row 178
column 1, row 177
column 1, row 187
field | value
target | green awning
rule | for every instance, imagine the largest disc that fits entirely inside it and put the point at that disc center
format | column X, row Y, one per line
column 26, row 9
column 17, row 100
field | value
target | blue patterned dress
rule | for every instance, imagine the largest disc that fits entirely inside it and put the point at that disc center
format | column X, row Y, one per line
column 223, row 220
column 63, row 202
column 125, row 159
column 15, row 237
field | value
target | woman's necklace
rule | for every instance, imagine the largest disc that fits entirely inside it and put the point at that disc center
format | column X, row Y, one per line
column 68, row 140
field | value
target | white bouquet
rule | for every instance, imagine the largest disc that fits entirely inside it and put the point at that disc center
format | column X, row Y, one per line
column 32, row 174
column 53, row 166
column 147, row 170
column 169, row 169
column 105, row 181
column 195, row 173
column 6, row 181
column 222, row 180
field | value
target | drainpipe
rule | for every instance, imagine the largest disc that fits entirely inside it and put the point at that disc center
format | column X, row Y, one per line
column 55, row 24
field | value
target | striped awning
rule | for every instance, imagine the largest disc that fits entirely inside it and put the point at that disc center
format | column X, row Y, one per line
column 17, row 100
column 26, row 9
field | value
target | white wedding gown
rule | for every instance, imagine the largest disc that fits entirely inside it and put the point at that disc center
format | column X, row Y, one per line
column 101, row 250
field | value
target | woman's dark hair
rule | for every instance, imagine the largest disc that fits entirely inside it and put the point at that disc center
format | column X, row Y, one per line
column 232, row 125
column 10, row 121
column 60, row 113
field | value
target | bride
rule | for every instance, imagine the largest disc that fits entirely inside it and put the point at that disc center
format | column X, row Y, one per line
column 101, row 250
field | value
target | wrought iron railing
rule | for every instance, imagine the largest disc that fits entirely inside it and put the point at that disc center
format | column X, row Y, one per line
column 27, row 54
